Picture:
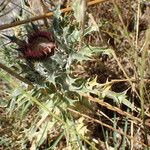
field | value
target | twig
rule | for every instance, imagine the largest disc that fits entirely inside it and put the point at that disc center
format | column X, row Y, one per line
column 82, row 21
column 14, row 74
column 105, row 125
column 6, row 26
column 115, row 109
column 126, row 80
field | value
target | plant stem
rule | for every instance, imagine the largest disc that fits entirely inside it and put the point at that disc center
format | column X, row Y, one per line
column 10, row 25
column 14, row 74
column 82, row 23
column 143, row 68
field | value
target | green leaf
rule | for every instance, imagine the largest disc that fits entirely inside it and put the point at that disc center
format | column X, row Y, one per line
column 92, row 26
column 57, row 13
column 90, row 50
column 79, row 8
column 87, row 52
column 74, row 36
column 119, row 98
column 78, row 57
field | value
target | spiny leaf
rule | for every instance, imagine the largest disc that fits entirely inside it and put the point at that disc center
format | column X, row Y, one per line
column 119, row 98
column 79, row 8
column 14, row 39
column 87, row 52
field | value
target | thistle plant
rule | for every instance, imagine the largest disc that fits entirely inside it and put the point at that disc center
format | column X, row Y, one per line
column 57, row 105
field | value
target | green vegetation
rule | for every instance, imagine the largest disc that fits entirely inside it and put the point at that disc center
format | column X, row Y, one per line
column 76, row 80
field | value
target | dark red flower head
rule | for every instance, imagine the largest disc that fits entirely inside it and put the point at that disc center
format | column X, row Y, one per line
column 39, row 45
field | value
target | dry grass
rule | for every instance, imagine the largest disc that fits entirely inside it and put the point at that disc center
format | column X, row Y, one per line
column 111, row 110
